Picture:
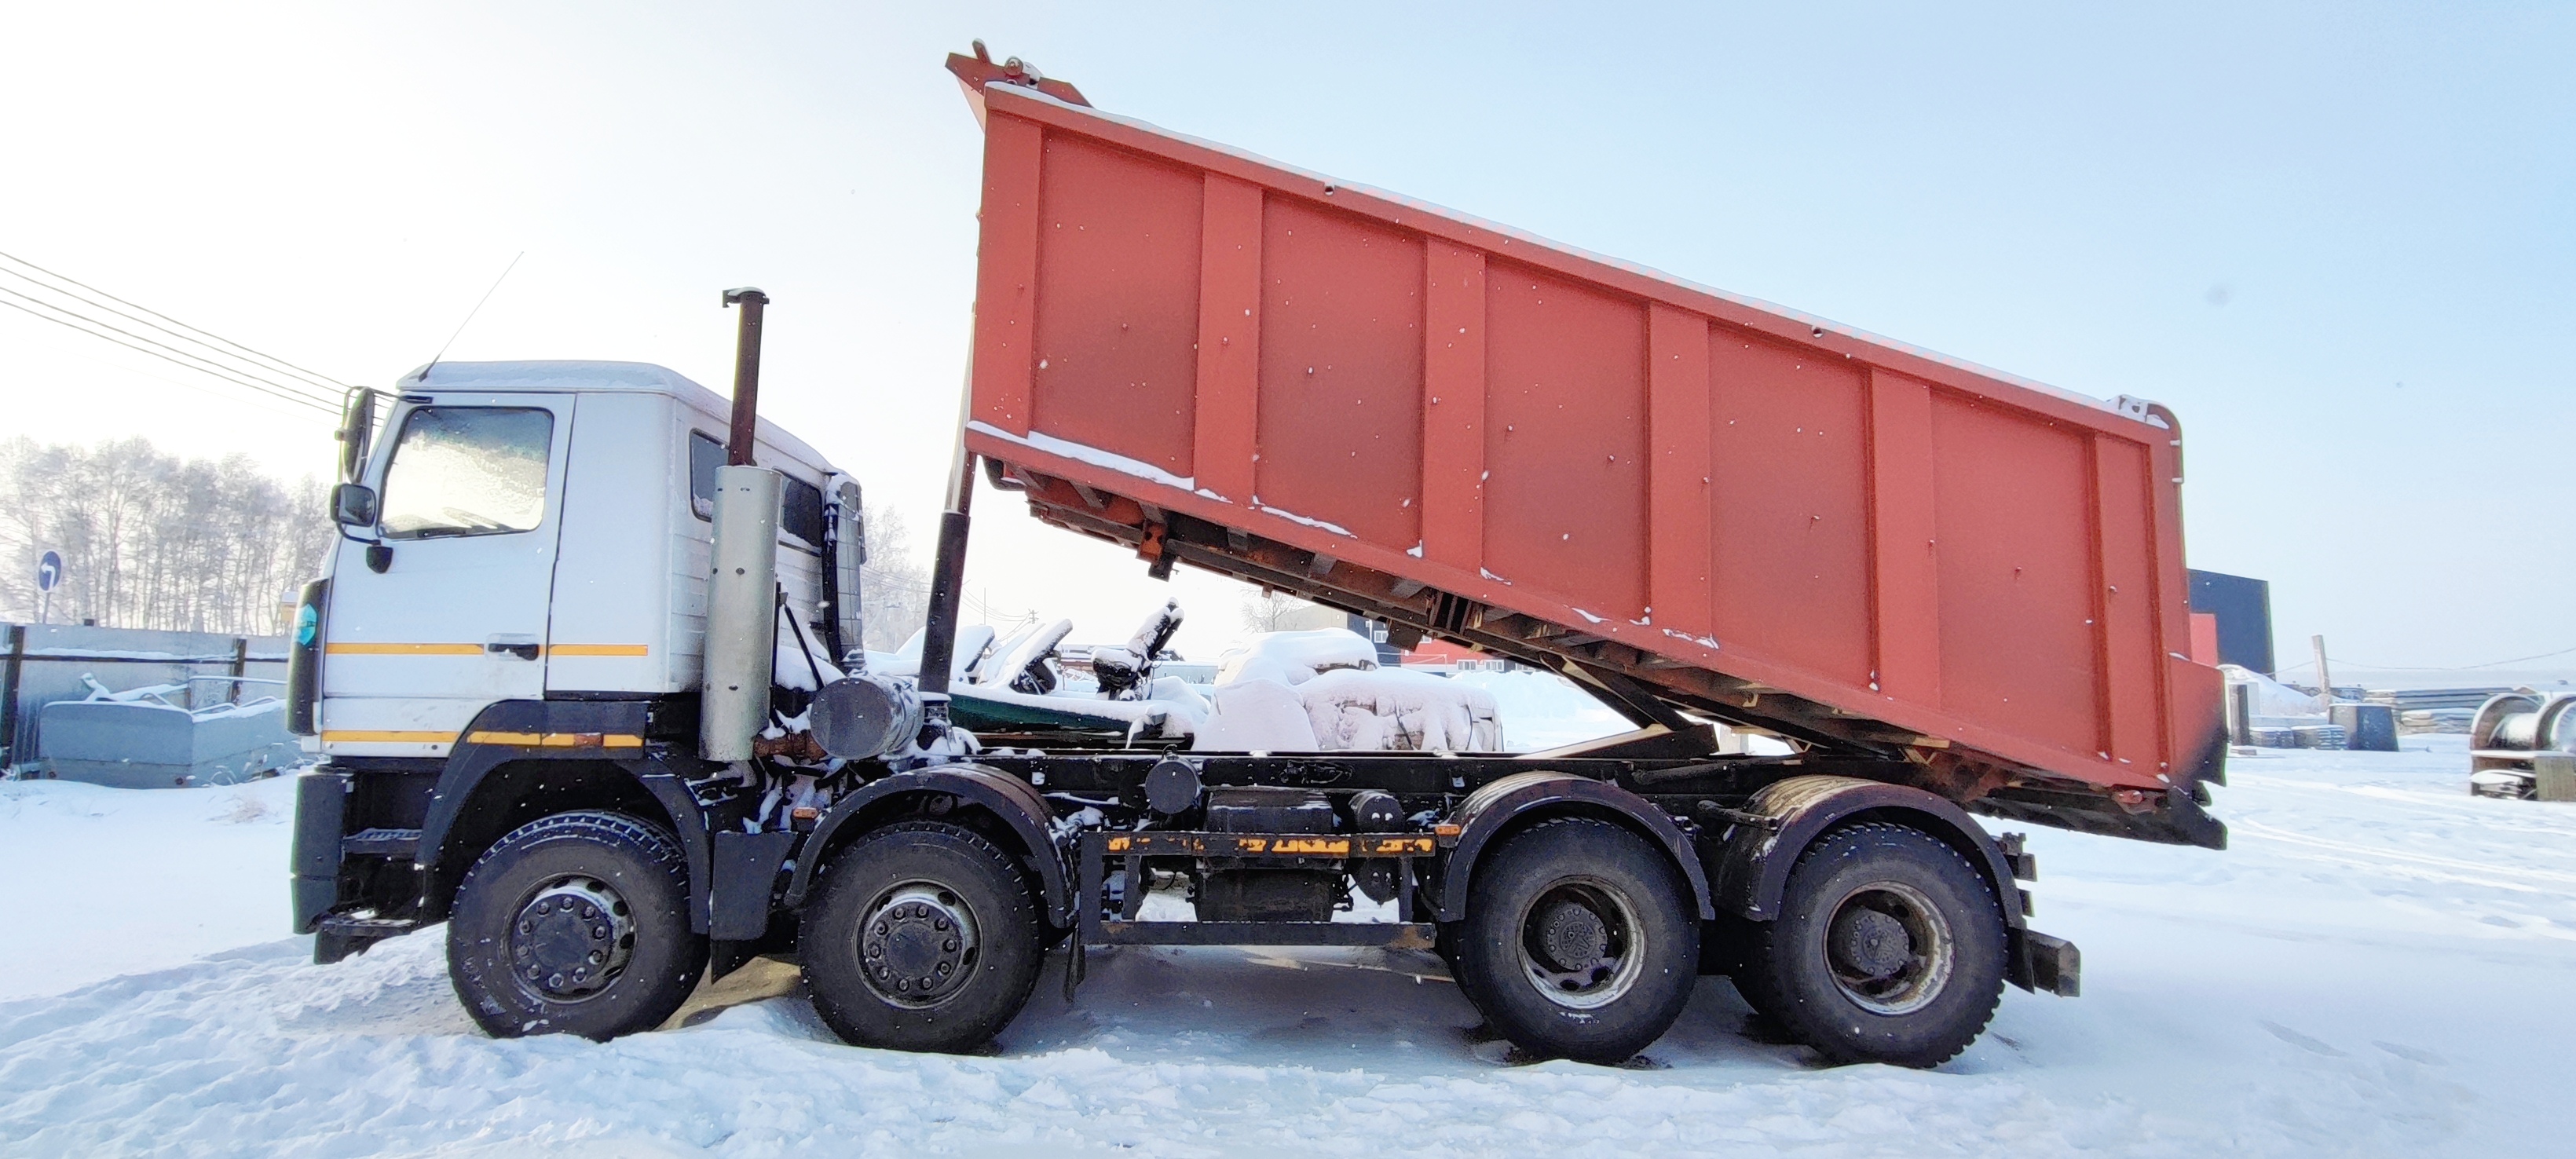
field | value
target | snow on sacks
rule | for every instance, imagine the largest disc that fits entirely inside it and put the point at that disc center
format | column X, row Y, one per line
column 1323, row 691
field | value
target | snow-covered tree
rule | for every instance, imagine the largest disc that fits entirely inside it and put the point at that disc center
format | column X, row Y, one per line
column 152, row 540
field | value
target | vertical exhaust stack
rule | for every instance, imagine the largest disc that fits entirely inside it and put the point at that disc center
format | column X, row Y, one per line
column 742, row 581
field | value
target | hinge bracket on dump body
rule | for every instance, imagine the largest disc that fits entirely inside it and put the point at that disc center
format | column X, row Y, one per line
column 974, row 72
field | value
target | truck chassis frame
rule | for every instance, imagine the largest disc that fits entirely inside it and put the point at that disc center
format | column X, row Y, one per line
column 381, row 844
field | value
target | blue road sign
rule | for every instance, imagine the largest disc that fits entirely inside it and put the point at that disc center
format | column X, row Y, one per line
column 49, row 571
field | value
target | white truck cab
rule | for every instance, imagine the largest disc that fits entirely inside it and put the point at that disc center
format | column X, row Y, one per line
column 573, row 501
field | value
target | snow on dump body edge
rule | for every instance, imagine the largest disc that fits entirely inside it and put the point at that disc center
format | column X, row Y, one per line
column 1081, row 453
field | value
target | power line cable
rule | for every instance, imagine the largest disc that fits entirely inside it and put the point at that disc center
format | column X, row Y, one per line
column 334, row 385
column 2311, row 663
column 264, row 404
column 73, row 320
column 176, row 356
column 198, row 361
column 192, row 348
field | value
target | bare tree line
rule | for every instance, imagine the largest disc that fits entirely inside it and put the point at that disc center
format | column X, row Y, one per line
column 153, row 540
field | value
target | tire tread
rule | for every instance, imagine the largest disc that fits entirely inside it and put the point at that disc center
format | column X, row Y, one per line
column 1766, row 992
column 1025, row 921
column 659, row 850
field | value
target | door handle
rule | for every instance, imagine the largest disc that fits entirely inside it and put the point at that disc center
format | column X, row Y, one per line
column 524, row 649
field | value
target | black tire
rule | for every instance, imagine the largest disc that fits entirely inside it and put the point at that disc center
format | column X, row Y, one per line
column 576, row 923
column 1579, row 941
column 1889, row 948
column 880, row 950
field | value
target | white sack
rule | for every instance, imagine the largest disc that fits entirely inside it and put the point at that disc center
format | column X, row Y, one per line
column 1255, row 716
column 1294, row 658
column 1397, row 710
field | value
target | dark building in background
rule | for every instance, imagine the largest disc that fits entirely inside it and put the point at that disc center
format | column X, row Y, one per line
column 1388, row 655
column 2241, row 611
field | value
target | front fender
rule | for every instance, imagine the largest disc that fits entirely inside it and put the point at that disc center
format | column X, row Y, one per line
column 1016, row 802
column 606, row 732
column 1491, row 811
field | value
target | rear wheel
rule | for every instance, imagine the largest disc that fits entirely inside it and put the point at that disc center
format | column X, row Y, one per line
column 576, row 923
column 1577, row 942
column 1889, row 948
column 924, row 936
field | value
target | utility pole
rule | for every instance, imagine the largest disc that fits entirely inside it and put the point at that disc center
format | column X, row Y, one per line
column 2325, row 680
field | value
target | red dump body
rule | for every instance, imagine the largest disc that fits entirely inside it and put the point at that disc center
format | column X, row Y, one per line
column 1471, row 431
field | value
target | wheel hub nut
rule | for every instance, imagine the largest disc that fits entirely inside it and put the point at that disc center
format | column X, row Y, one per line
column 572, row 939
column 1870, row 943
column 1572, row 937
column 915, row 949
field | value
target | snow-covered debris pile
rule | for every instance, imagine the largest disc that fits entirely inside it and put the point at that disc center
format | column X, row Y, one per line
column 1256, row 716
column 1322, row 691
column 1293, row 658
column 1400, row 711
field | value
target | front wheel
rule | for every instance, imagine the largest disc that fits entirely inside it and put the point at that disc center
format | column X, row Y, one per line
column 924, row 936
column 1577, row 942
column 576, row 923
column 1889, row 948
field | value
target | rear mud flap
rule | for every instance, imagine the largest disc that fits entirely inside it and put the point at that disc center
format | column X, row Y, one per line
column 2044, row 964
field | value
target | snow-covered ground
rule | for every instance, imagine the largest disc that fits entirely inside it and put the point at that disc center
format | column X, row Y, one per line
column 2381, row 965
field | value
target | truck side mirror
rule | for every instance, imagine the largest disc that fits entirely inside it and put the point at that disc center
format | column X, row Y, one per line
column 353, row 505
column 357, row 430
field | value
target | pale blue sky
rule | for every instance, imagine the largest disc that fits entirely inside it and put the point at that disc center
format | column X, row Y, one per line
column 2267, row 216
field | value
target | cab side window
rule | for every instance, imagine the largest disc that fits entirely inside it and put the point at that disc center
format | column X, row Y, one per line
column 800, row 504
column 705, row 455
column 800, row 515
column 467, row 470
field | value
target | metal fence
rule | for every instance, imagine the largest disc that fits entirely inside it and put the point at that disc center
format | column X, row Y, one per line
column 43, row 663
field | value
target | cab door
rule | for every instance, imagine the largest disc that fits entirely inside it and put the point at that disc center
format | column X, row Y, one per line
column 469, row 512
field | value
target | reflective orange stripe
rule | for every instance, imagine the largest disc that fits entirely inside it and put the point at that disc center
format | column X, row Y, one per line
column 557, row 740
column 599, row 650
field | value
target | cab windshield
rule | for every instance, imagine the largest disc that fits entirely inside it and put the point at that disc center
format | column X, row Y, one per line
column 467, row 471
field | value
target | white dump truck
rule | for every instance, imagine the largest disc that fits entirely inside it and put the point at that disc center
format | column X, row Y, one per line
column 586, row 684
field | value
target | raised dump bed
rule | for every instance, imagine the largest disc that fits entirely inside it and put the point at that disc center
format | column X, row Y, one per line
column 1685, row 497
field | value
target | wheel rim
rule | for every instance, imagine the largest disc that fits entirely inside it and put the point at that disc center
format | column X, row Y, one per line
column 1581, row 944
column 572, row 937
column 918, row 945
column 1889, row 948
